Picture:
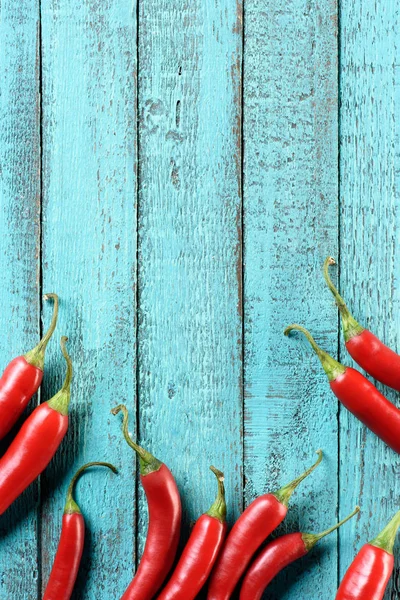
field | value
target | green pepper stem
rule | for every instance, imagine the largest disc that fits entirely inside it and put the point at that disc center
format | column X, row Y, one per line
column 71, row 506
column 386, row 538
column 60, row 402
column 218, row 508
column 310, row 539
column 35, row 357
column 332, row 367
column 283, row 495
column 148, row 462
column 351, row 327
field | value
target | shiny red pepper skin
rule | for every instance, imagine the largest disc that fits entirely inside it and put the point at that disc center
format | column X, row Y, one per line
column 165, row 513
column 359, row 395
column 368, row 575
column 363, row 346
column 70, row 548
column 162, row 537
column 197, row 560
column 251, row 529
column 201, row 551
column 30, row 452
column 68, row 558
column 276, row 556
column 19, row 382
column 371, row 407
column 35, row 444
column 375, row 358
column 22, row 377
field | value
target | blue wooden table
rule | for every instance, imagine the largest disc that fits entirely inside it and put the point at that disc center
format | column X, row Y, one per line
column 177, row 173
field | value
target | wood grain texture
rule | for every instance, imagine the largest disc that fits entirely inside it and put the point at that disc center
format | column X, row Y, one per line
column 89, row 258
column 190, row 324
column 370, row 249
column 19, row 252
column 290, row 224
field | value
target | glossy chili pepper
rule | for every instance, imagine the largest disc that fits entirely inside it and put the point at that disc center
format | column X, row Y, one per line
column 367, row 350
column 70, row 548
column 369, row 573
column 359, row 395
column 201, row 551
column 251, row 529
column 36, row 442
column 278, row 555
column 165, row 513
column 22, row 378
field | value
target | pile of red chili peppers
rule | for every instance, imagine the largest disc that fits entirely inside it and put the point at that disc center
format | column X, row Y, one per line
column 226, row 564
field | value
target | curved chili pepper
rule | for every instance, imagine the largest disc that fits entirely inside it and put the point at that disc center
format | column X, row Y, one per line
column 369, row 573
column 278, row 555
column 22, row 378
column 36, row 442
column 359, row 395
column 251, row 529
column 201, row 551
column 367, row 350
column 165, row 513
column 70, row 548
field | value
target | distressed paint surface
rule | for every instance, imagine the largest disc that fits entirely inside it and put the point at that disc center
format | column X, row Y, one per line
column 290, row 224
column 189, row 326
column 19, row 252
column 89, row 257
column 370, row 250
column 144, row 194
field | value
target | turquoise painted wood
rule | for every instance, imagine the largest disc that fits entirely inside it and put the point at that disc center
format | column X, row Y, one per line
column 19, row 252
column 370, row 250
column 172, row 171
column 291, row 224
column 190, row 269
column 89, row 257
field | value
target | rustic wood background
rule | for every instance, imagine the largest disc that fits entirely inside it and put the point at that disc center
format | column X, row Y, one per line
column 177, row 172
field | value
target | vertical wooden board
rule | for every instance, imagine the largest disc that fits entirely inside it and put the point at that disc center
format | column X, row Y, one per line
column 89, row 257
column 19, row 255
column 291, row 224
column 370, row 249
column 190, row 246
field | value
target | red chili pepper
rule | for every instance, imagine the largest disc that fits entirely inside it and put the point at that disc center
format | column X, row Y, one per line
column 70, row 548
column 201, row 551
column 251, row 529
column 369, row 573
column 278, row 555
column 36, row 442
column 165, row 513
column 367, row 350
column 359, row 395
column 22, row 378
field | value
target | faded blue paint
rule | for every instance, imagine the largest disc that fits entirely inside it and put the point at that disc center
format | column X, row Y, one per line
column 19, row 249
column 189, row 336
column 370, row 246
column 89, row 257
column 174, row 185
column 291, row 224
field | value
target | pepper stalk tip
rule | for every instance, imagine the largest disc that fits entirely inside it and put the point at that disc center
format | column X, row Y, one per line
column 35, row 357
column 283, row 495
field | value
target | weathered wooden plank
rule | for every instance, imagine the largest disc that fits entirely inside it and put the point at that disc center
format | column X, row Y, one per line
column 89, row 254
column 290, row 224
column 189, row 334
column 370, row 250
column 19, row 254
